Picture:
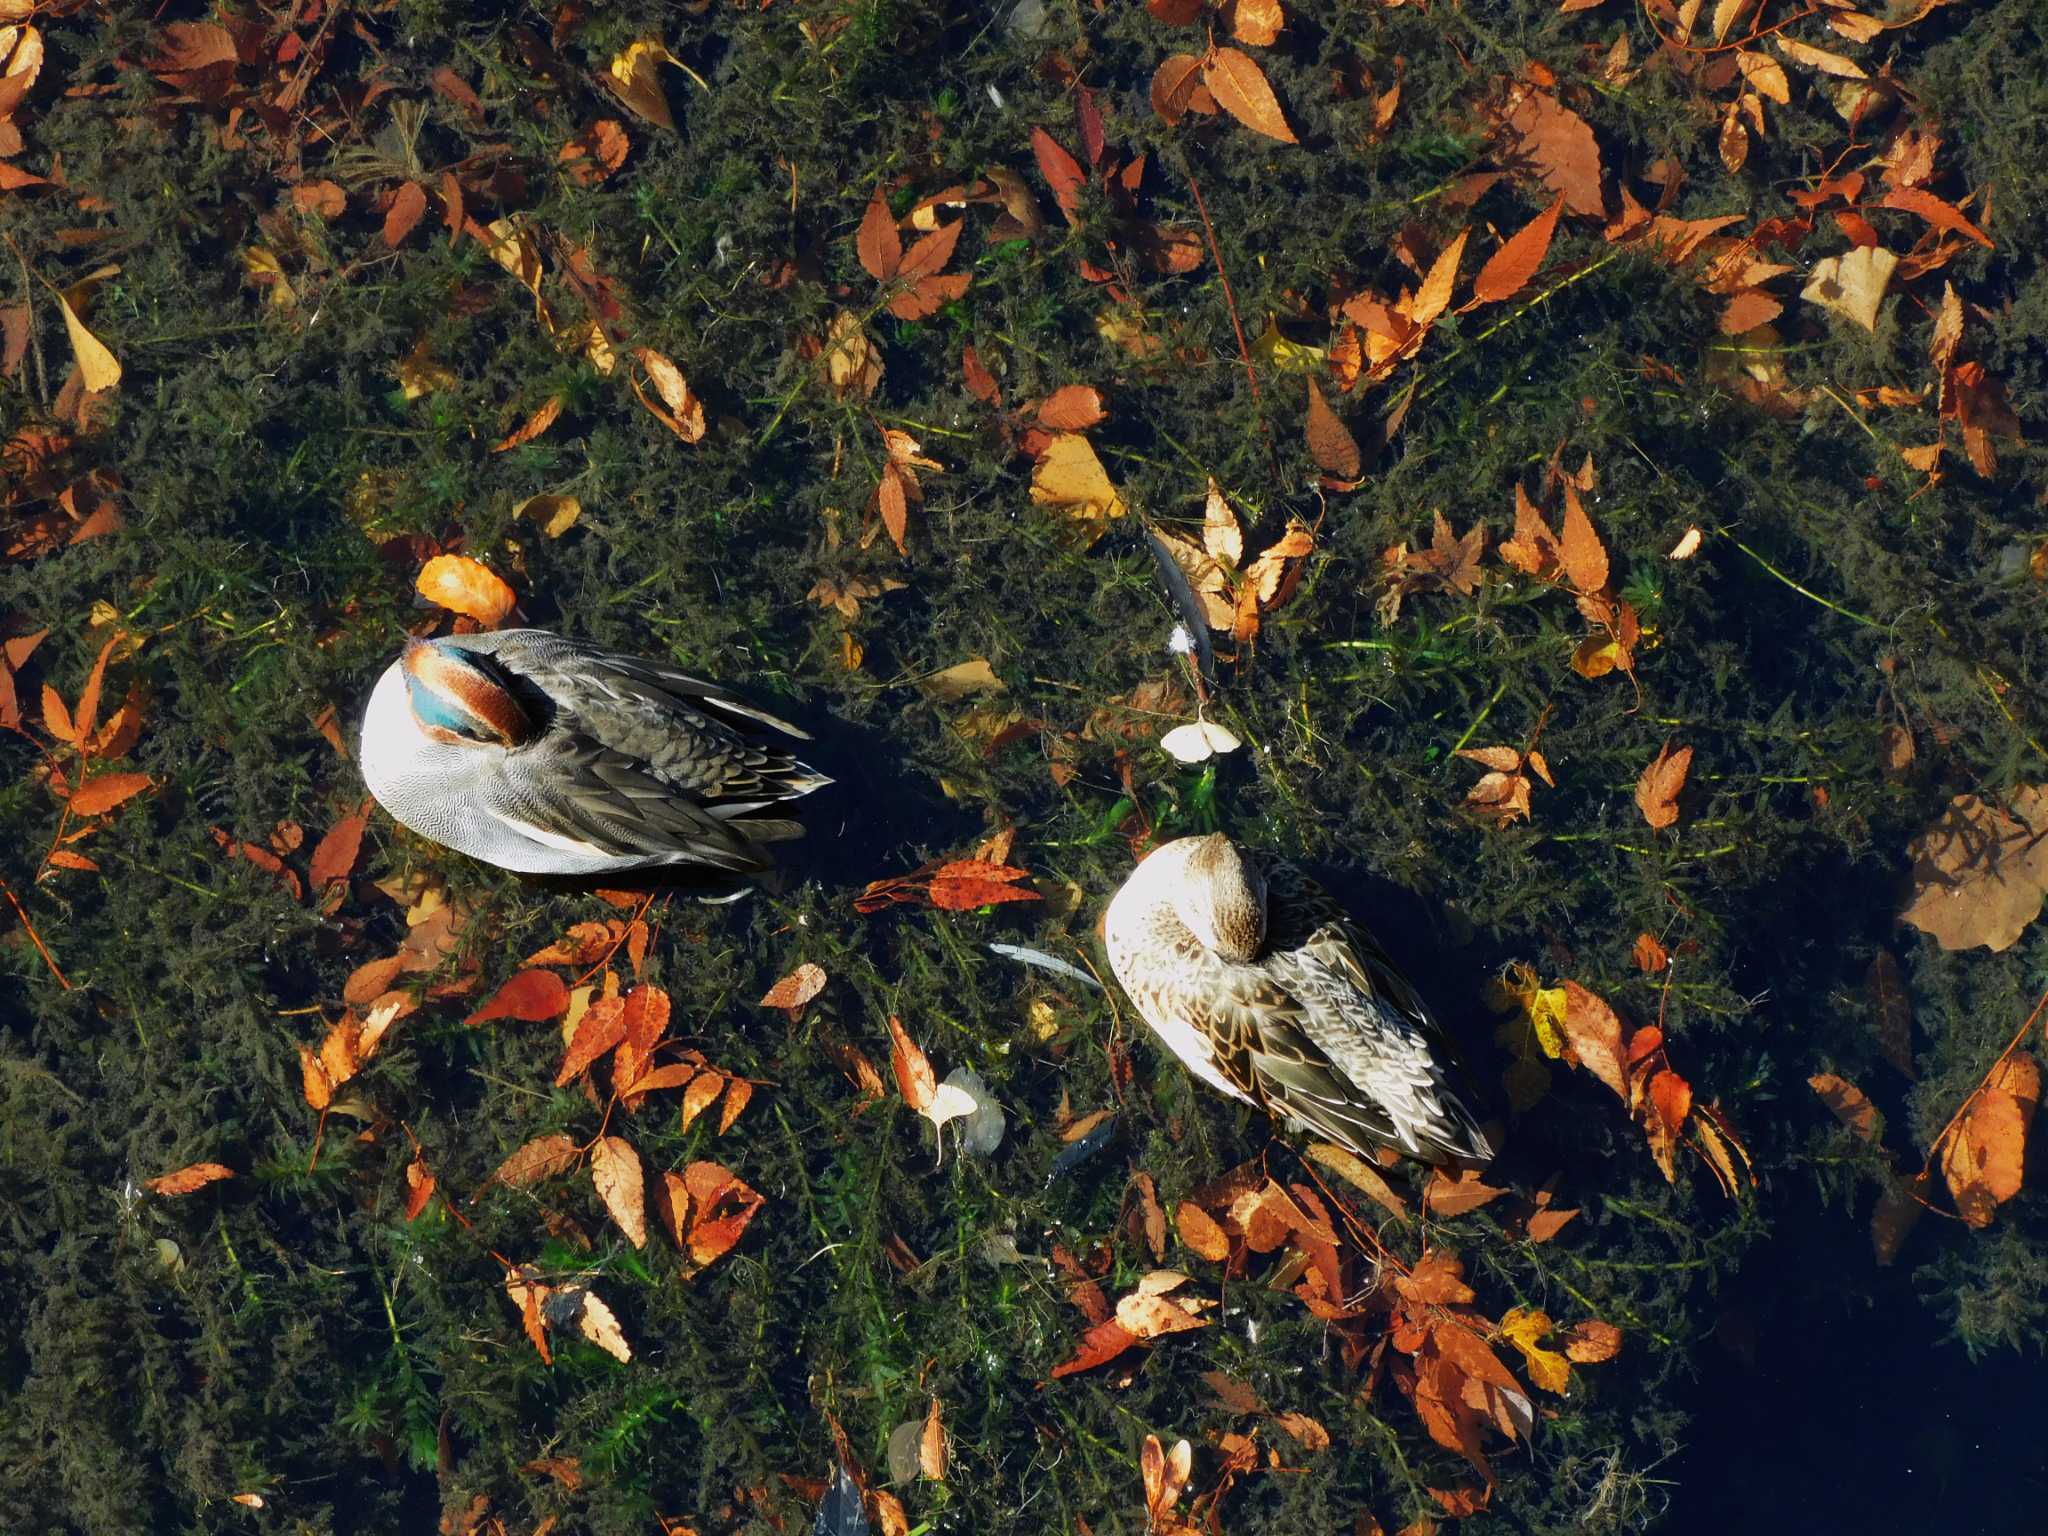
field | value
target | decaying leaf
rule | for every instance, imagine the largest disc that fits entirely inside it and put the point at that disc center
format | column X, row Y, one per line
column 1984, row 1158
column 1980, row 872
column 184, row 1180
column 1853, row 284
column 794, row 990
column 615, row 1170
column 1658, row 789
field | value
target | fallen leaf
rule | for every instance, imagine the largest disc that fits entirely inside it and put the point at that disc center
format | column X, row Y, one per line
column 403, row 216
column 615, row 1170
column 635, row 79
column 107, row 790
column 1330, row 442
column 1360, row 1175
column 1508, row 270
column 186, row 1179
column 468, row 587
column 1852, row 284
column 1820, row 59
column 530, row 995
column 1658, row 789
column 1845, row 1101
column 965, row 884
column 1446, row 1196
column 794, row 990
column 723, row 1207
column 1984, row 1159
column 1593, row 1031
column 1560, row 145
column 1072, row 408
column 532, row 427
column 1241, row 89
column 931, row 1447
column 1891, row 1008
column 98, row 368
column 1526, row 1328
column 334, row 856
column 1546, row 1224
column 1071, row 478
column 1980, row 873
column 1200, row 1233
column 684, row 415
column 544, row 1157
column 962, row 679
column 602, row 1027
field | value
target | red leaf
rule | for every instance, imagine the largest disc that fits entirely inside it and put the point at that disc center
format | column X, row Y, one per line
column 1062, row 172
column 1936, row 212
column 1072, row 408
column 529, row 995
column 962, row 886
column 1099, row 1345
column 603, row 1027
column 335, row 856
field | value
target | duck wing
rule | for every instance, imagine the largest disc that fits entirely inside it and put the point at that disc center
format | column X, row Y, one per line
column 642, row 760
column 1324, row 1031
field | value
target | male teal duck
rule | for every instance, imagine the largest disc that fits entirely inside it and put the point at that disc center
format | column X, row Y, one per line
column 553, row 756
column 1265, row 989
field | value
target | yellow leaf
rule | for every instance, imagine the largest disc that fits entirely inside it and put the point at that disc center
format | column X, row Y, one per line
column 685, row 413
column 466, row 586
column 556, row 514
column 419, row 374
column 98, row 368
column 1852, row 284
column 1526, row 1328
column 637, row 84
column 1272, row 350
column 615, row 1170
column 960, row 680
column 1070, row 477
column 1519, row 988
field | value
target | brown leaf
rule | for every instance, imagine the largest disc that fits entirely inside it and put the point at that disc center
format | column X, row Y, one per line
column 544, row 1157
column 1241, row 89
column 1360, row 1175
column 186, row 1179
column 738, row 1094
column 1446, row 1196
column 615, row 1170
column 1508, row 270
column 1546, row 1224
column 405, row 212
column 1558, row 142
column 314, row 1081
column 1896, row 1213
column 1657, row 790
column 1591, row 1342
column 1941, row 215
column 723, row 1204
column 1980, row 873
column 980, row 382
column 1848, row 1105
column 892, row 500
column 529, row 995
column 531, row 428
column 1099, row 1345
column 1330, row 442
column 702, row 1093
column 1534, row 549
column 1174, row 85
column 419, row 1187
column 684, row 415
column 107, row 791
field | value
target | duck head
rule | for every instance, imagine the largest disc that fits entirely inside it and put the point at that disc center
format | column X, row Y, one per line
column 459, row 699
column 1220, row 897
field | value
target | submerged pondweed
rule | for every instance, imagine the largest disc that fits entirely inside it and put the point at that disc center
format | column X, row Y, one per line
column 1580, row 457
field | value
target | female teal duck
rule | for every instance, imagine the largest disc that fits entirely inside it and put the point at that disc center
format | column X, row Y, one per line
column 1265, row 989
column 553, row 756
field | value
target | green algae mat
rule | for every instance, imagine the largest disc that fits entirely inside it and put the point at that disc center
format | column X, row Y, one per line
column 1564, row 475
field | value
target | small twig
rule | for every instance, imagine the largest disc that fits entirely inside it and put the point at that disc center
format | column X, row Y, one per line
column 33, row 937
column 1230, row 299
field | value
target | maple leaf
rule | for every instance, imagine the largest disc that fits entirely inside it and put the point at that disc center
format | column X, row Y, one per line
column 1450, row 564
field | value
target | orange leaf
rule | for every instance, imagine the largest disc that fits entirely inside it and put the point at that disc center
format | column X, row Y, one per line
column 1174, row 85
column 968, row 883
column 1200, row 1233
column 931, row 1446
column 468, row 587
column 1657, row 790
column 1936, row 212
column 314, row 1082
column 1984, row 1160
column 1099, row 1345
column 107, row 791
column 334, row 856
column 738, row 1094
column 931, row 253
column 529, row 995
column 878, row 245
column 1508, row 270
column 795, row 989
column 1241, row 89
column 893, row 501
column 405, row 211
column 64, row 858
column 533, row 426
column 646, row 1017
column 1446, row 1196
column 603, row 1027
column 1847, row 1103
column 914, row 1076
column 685, row 413
column 1668, row 1104
column 56, row 718
column 702, row 1093
column 419, row 1187
column 724, row 1205
column 1583, row 555
column 1072, row 408
column 187, row 1179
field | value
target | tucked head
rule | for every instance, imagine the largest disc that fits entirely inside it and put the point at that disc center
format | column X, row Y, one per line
column 457, row 697
column 1222, row 898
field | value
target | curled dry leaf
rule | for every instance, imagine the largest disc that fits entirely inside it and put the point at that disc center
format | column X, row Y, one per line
column 468, row 587
column 684, row 415
column 1198, row 741
column 635, row 79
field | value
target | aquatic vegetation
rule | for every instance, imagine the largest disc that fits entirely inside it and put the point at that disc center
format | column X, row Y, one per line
column 887, row 354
